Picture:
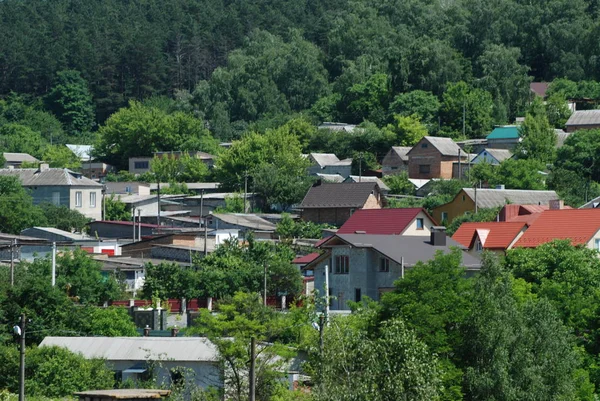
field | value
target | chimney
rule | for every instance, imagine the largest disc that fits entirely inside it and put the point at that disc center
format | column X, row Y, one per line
column 557, row 204
column 44, row 166
column 438, row 236
column 174, row 331
column 147, row 331
column 501, row 186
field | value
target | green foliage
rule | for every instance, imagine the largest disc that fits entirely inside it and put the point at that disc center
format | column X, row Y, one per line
column 63, row 218
column 107, row 322
column 423, row 104
column 168, row 280
column 399, row 184
column 369, row 100
column 538, row 137
column 408, row 129
column 184, row 168
column 557, row 110
column 482, row 214
column 287, row 228
column 115, row 209
column 475, row 105
column 58, row 156
column 512, row 173
column 17, row 138
column 18, row 109
column 361, row 361
column 233, row 204
column 17, row 211
column 71, row 101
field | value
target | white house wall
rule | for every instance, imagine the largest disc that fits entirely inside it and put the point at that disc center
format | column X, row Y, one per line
column 93, row 212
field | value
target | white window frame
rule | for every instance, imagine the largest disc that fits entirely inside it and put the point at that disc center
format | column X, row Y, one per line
column 422, row 223
column 78, row 199
column 92, row 199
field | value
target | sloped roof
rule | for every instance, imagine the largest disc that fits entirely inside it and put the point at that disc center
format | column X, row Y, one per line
column 380, row 221
column 446, row 146
column 402, row 151
column 504, row 132
column 246, row 220
column 488, row 198
column 594, row 203
column 405, row 249
column 331, row 177
column 584, row 117
column 561, row 137
column 306, row 258
column 379, row 181
column 498, row 154
column 539, row 88
column 138, row 348
column 325, row 159
column 19, row 158
column 347, row 194
column 30, row 177
column 81, row 151
column 578, row 225
column 499, row 235
column 57, row 232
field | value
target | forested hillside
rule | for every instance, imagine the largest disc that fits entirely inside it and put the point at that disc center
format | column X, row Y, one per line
column 239, row 61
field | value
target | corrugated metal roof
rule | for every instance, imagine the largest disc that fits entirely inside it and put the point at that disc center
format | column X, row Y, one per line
column 505, row 132
column 348, row 194
column 561, row 137
column 331, row 177
column 539, row 88
column 356, row 178
column 56, row 231
column 246, row 220
column 138, row 348
column 82, row 151
column 19, row 157
column 489, row 198
column 584, row 117
column 402, row 151
column 324, row 159
column 446, row 146
column 380, row 221
column 578, row 225
column 499, row 234
column 498, row 154
column 31, row 177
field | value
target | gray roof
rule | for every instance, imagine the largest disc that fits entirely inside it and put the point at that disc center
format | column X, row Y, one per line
column 190, row 185
column 31, row 177
column 55, row 232
column 221, row 195
column 337, row 126
column 356, row 178
column 561, row 137
column 498, row 154
column 138, row 348
column 350, row 194
column 407, row 249
column 329, row 159
column 123, row 394
column 402, row 151
column 19, row 158
column 81, row 151
column 331, row 177
column 489, row 198
column 446, row 146
column 584, row 117
column 594, row 203
column 246, row 220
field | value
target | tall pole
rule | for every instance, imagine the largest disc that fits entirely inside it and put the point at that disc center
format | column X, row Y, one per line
column 201, row 209
column 252, row 373
column 265, row 283
column 158, row 201
column 139, row 224
column 22, row 361
column 321, row 329
column 245, row 189
column 360, row 156
column 53, row 264
column 459, row 171
column 326, row 294
column 464, row 117
column 133, row 221
column 12, row 261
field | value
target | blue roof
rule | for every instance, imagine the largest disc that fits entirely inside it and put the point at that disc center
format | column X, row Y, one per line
column 506, row 132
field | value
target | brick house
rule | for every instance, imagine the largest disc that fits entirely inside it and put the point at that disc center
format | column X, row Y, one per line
column 432, row 157
column 583, row 119
column 396, row 160
column 335, row 203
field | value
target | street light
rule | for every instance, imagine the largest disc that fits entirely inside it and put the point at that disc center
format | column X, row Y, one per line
column 20, row 331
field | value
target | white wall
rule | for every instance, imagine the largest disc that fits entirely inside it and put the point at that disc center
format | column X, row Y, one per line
column 93, row 212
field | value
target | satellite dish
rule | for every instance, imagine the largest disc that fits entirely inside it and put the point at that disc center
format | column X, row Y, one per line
column 17, row 330
column 314, row 325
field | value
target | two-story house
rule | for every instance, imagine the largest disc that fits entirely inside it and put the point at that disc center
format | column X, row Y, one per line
column 433, row 157
column 335, row 203
column 61, row 186
column 395, row 160
column 496, row 236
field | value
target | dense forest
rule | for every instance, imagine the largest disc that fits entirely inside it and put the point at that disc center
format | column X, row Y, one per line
column 236, row 62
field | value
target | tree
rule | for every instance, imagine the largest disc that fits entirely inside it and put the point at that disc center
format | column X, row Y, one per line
column 399, row 184
column 369, row 100
column 71, row 101
column 183, row 168
column 17, row 138
column 63, row 218
column 363, row 361
column 115, row 209
column 521, row 174
column 17, row 211
column 473, row 106
column 423, row 104
column 557, row 110
column 58, row 156
column 107, row 322
column 168, row 280
column 408, row 129
column 538, row 138
column 281, row 187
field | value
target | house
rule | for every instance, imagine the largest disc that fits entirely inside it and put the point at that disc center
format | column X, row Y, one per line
column 492, row 156
column 335, row 203
column 432, row 157
column 120, row 229
column 400, row 221
column 209, row 202
column 465, row 201
column 382, row 185
column 581, row 226
column 52, row 234
column 337, row 127
column 504, row 137
column 96, row 170
column 196, row 187
column 142, row 164
column 244, row 222
column 594, row 203
column 130, row 357
column 395, row 160
column 528, row 213
column 328, row 163
column 61, row 186
column 16, row 160
column 361, row 265
column 497, row 236
column 83, row 152
column 334, row 178
column 583, row 119
column 539, row 88
column 127, row 188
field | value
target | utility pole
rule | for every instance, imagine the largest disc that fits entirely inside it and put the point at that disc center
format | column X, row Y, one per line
column 53, row 264
column 252, row 373
column 133, row 221
column 13, row 245
column 265, row 283
column 326, row 294
column 201, row 209
column 158, row 201
column 360, row 156
column 459, row 170
column 22, row 361
column 245, row 189
column 464, row 117
column 139, row 224
column 321, row 329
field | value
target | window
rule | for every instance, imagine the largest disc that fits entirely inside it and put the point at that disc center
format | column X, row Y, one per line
column 424, row 169
column 357, row 295
column 478, row 246
column 78, row 199
column 423, row 145
column 394, row 167
column 342, row 264
column 56, row 198
column 444, row 216
column 597, row 245
column 92, row 199
column 420, row 224
column 384, row 265
column 463, row 198
column 128, row 190
column 140, row 165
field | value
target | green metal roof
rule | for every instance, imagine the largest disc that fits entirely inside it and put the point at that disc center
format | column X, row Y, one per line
column 507, row 132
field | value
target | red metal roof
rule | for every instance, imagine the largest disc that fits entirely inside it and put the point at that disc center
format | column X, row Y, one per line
column 499, row 235
column 578, row 225
column 380, row 221
column 306, row 258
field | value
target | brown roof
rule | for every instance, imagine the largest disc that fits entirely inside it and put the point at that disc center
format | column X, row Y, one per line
column 498, row 235
column 350, row 194
column 539, row 88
